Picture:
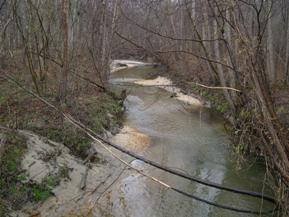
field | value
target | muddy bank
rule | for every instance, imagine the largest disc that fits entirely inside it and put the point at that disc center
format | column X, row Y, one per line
column 50, row 174
column 167, row 84
column 117, row 65
column 77, row 193
column 85, row 184
column 210, row 98
column 57, row 183
column 161, row 80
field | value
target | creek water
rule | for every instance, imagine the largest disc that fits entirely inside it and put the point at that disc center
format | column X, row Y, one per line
column 184, row 137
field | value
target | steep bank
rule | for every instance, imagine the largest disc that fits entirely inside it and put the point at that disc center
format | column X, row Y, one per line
column 82, row 184
column 55, row 168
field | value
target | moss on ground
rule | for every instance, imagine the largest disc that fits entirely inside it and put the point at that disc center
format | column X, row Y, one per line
column 15, row 190
column 12, row 192
column 15, row 187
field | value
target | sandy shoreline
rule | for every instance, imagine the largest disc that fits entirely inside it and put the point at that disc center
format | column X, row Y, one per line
column 167, row 84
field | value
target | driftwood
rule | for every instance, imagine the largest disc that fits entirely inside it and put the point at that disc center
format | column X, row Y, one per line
column 84, row 178
column 86, row 162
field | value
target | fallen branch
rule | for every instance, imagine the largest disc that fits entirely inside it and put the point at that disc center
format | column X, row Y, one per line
column 84, row 178
column 173, row 85
column 211, row 87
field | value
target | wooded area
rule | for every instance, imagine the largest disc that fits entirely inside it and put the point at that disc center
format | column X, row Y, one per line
column 55, row 47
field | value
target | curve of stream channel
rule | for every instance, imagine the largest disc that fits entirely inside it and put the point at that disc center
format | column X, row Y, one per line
column 184, row 137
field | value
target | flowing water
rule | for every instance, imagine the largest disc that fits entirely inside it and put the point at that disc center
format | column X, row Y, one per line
column 187, row 138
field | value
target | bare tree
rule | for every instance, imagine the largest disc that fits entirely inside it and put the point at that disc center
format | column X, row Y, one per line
column 65, row 71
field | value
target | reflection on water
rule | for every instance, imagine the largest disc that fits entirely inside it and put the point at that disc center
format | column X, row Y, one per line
column 184, row 138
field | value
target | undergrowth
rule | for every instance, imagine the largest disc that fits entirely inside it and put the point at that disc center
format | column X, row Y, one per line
column 98, row 111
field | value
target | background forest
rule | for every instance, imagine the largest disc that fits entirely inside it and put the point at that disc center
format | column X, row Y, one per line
column 62, row 50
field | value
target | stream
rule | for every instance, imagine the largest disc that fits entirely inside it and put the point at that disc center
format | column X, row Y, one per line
column 184, row 137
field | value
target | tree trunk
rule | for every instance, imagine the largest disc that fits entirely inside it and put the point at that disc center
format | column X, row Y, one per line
column 104, row 43
column 232, row 57
column 65, row 69
column 270, row 56
column 220, row 68
column 207, row 34
column 287, row 55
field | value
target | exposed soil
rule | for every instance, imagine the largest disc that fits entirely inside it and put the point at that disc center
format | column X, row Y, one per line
column 46, row 171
